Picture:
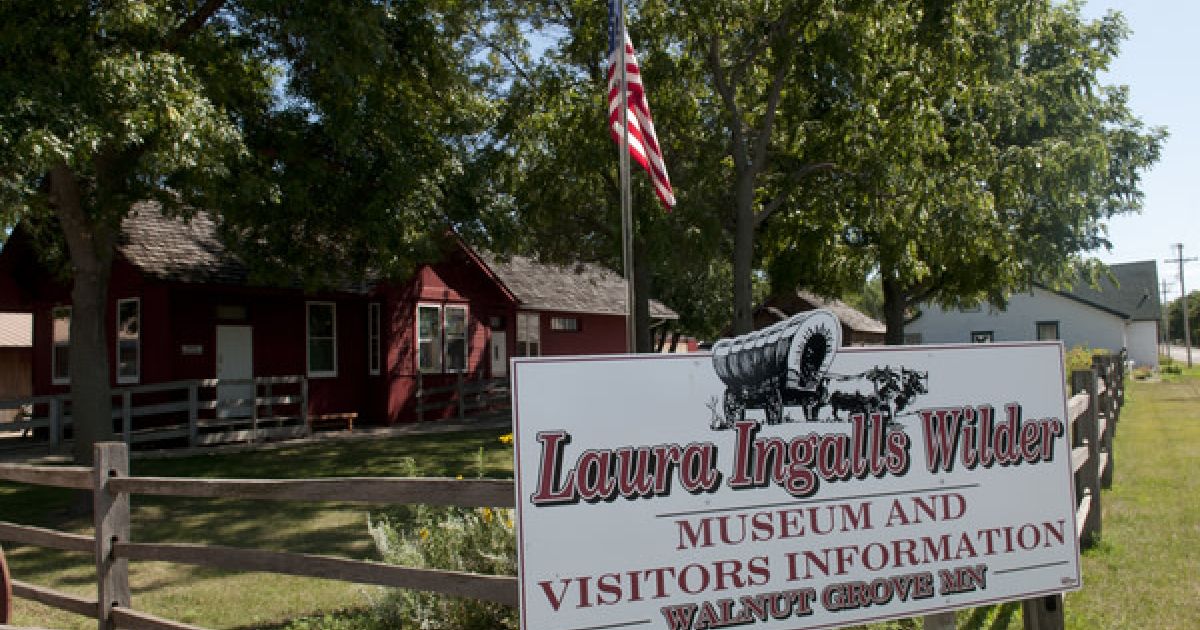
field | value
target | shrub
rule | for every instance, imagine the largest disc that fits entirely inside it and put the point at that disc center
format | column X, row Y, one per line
column 477, row 540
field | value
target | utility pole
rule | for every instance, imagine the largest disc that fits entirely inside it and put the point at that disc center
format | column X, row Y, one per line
column 1187, row 327
column 1166, row 321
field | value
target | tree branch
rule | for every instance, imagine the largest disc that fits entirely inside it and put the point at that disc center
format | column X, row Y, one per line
column 772, row 206
column 738, row 139
column 194, row 22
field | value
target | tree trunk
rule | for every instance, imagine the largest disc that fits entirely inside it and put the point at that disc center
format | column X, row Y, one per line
column 743, row 256
column 91, row 250
column 893, row 309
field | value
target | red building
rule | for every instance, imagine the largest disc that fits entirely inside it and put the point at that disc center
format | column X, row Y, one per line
column 181, row 307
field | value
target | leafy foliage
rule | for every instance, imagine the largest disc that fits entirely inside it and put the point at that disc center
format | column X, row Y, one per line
column 328, row 138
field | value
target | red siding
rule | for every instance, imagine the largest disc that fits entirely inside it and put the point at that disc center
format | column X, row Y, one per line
column 597, row 334
column 175, row 315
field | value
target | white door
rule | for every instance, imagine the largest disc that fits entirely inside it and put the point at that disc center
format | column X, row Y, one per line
column 235, row 361
column 499, row 353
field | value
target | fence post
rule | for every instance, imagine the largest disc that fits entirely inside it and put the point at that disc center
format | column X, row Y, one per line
column 253, row 410
column 420, row 395
column 111, row 511
column 55, row 421
column 459, row 396
column 304, row 406
column 5, row 591
column 193, row 413
column 127, row 416
column 1106, row 406
column 1088, row 478
column 1043, row 613
column 939, row 621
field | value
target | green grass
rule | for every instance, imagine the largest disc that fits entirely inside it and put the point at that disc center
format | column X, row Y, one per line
column 221, row 599
column 1141, row 575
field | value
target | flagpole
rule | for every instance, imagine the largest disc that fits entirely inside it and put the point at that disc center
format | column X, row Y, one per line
column 626, row 196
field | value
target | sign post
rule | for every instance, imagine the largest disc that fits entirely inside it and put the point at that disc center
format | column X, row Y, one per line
column 784, row 482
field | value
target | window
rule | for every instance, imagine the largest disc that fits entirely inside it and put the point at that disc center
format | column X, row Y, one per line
column 374, row 347
column 456, row 338
column 129, row 340
column 322, row 339
column 429, row 338
column 1047, row 331
column 442, row 338
column 529, row 336
column 60, row 372
column 564, row 324
column 982, row 336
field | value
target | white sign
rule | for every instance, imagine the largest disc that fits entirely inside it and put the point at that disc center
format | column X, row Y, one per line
column 784, row 482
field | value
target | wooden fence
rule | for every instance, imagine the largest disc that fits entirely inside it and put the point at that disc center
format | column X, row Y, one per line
column 1094, row 410
column 112, row 486
column 197, row 411
column 1098, row 394
column 478, row 397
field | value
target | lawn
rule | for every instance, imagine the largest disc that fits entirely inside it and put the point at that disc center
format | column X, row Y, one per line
column 221, row 599
column 1139, row 576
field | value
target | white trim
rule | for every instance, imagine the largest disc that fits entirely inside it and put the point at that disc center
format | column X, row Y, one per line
column 137, row 363
column 374, row 338
column 440, row 341
column 466, row 338
column 308, row 340
column 54, row 379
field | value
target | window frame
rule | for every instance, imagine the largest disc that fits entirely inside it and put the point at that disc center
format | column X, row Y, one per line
column 441, row 340
column 374, row 338
column 465, row 337
column 136, row 377
column 436, row 340
column 564, row 324
column 308, row 340
column 523, row 317
column 1037, row 330
column 55, row 379
column 991, row 336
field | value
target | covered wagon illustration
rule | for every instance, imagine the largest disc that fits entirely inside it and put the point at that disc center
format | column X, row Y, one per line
column 781, row 365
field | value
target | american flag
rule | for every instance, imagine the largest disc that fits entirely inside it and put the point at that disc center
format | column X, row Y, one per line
column 643, row 142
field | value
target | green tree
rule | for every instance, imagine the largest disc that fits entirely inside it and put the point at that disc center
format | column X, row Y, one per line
column 986, row 154
column 326, row 137
column 1175, row 317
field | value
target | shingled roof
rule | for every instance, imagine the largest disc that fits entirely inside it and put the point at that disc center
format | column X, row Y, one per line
column 1133, row 296
column 177, row 249
column 578, row 288
column 190, row 250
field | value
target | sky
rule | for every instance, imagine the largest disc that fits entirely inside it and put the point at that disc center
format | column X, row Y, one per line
column 1158, row 63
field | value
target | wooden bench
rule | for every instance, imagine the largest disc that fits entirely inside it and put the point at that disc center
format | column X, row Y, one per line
column 332, row 418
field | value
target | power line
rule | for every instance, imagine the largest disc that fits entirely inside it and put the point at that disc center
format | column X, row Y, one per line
column 1187, row 328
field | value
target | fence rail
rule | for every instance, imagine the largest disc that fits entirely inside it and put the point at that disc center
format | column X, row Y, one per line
column 463, row 396
column 201, row 411
column 112, row 487
column 1094, row 411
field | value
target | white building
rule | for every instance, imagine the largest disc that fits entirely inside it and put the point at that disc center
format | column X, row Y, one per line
column 1112, row 316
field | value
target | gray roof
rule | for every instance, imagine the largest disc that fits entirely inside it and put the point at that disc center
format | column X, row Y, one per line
column 848, row 315
column 1134, row 296
column 190, row 250
column 577, row 288
column 177, row 249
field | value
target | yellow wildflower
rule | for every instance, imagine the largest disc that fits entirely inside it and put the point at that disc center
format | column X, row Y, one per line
column 507, row 438
column 487, row 515
column 424, row 534
column 459, row 477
